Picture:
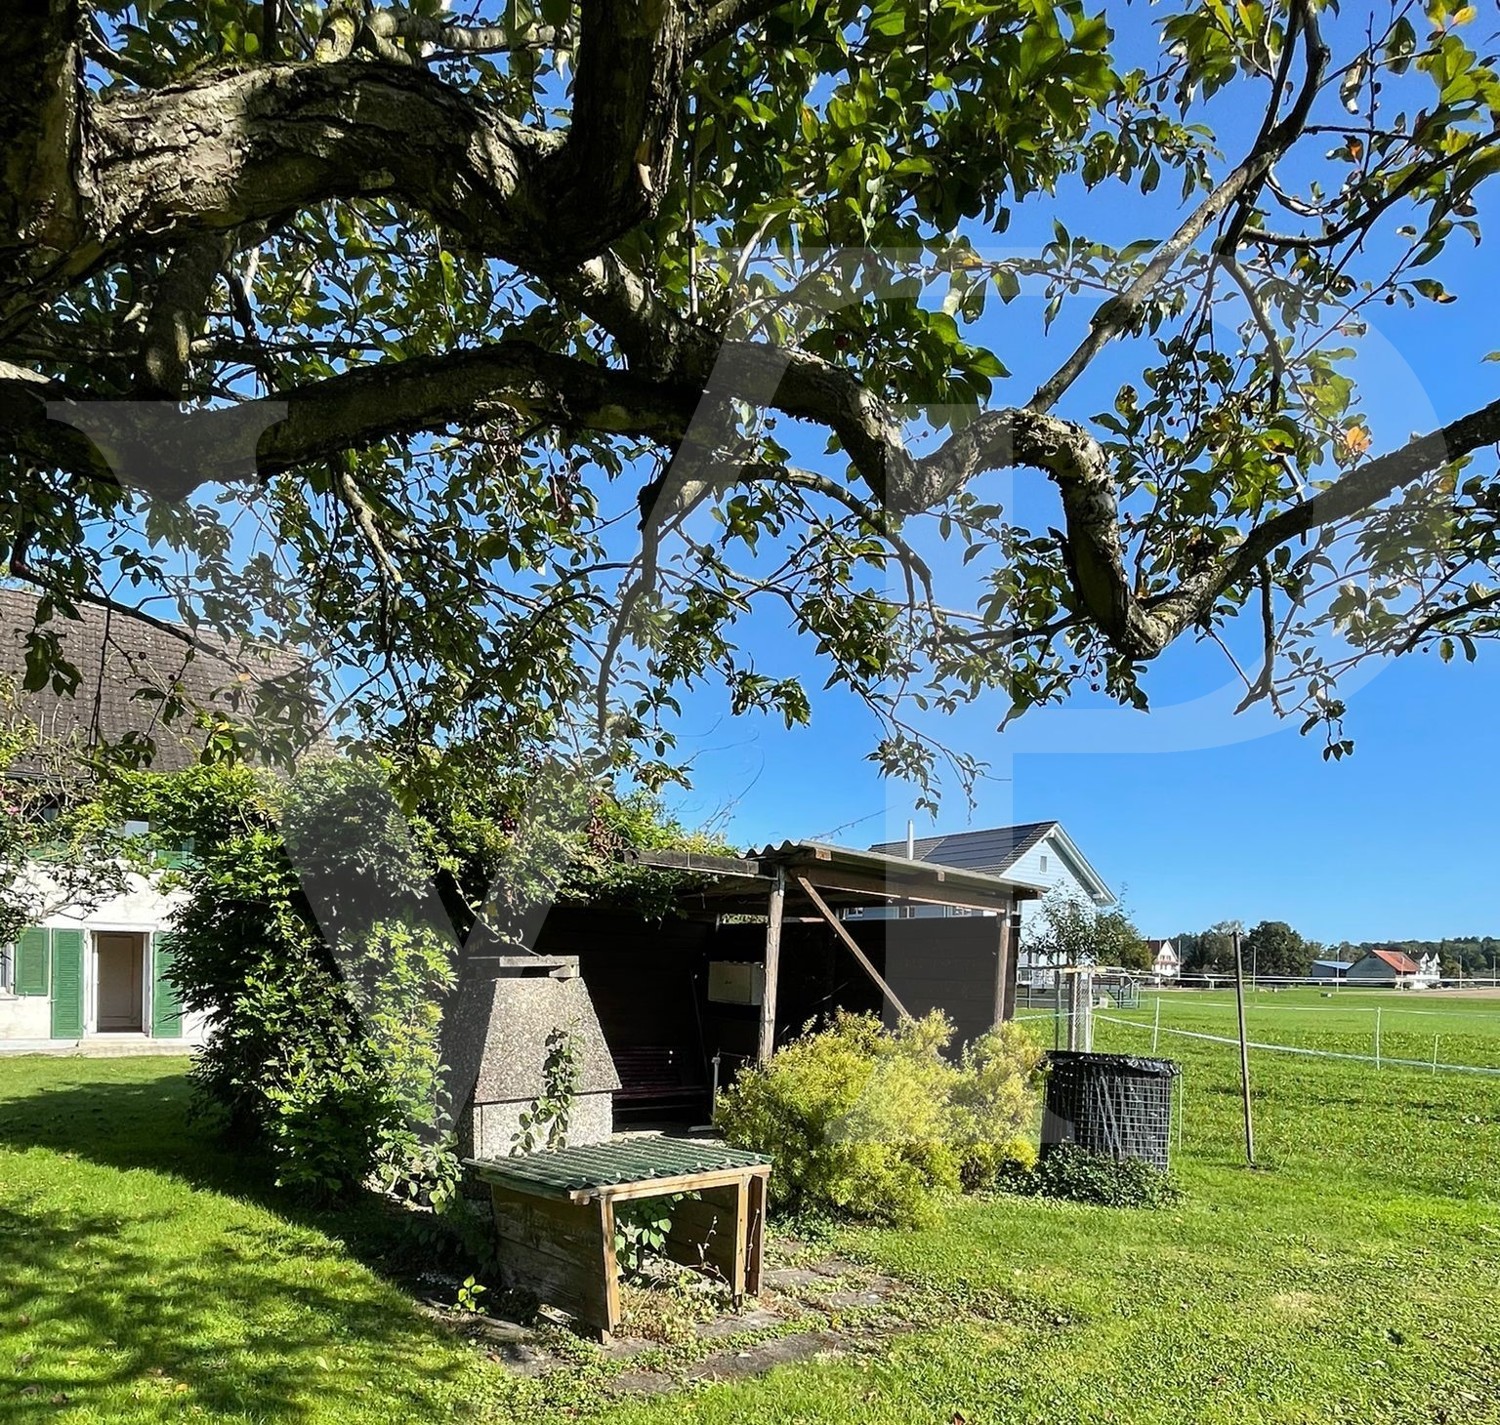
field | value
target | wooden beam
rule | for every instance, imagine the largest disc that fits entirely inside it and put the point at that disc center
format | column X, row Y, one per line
column 774, row 908
column 610, row 1266
column 922, row 890
column 755, row 1234
column 842, row 932
column 1015, row 965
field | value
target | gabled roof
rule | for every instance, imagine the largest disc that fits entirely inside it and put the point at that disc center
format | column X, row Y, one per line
column 117, row 656
column 1398, row 960
column 995, row 850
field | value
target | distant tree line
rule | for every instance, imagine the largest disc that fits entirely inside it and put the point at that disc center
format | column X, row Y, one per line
column 1273, row 948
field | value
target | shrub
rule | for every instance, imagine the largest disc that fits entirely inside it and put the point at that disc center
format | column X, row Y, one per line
column 326, row 1053
column 1074, row 1174
column 993, row 1104
column 865, row 1122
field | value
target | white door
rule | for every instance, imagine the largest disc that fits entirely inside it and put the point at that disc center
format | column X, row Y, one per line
column 120, row 979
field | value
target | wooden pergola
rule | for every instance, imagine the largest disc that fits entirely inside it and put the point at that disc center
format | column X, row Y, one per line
column 817, row 881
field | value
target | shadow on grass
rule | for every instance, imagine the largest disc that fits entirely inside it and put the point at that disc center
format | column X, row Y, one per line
column 110, row 1317
column 143, row 1120
column 124, row 1294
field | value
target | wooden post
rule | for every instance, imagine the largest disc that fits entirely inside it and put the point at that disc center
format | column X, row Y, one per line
column 755, row 1234
column 1239, row 996
column 1003, row 969
column 611, row 1268
column 774, row 911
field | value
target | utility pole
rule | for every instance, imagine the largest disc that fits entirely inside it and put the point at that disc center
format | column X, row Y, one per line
column 1239, row 996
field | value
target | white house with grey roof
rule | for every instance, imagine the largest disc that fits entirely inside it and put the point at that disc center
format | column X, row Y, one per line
column 1037, row 854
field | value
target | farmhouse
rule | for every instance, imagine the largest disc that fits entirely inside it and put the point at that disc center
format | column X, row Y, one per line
column 1330, row 971
column 1383, row 967
column 94, row 975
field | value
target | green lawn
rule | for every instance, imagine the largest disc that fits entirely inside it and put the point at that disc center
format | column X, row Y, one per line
column 145, row 1275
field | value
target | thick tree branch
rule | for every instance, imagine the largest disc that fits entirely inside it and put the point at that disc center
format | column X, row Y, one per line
column 343, row 412
column 178, row 313
column 266, row 143
column 723, row 18
column 42, row 130
column 1357, row 492
column 467, row 39
column 618, row 156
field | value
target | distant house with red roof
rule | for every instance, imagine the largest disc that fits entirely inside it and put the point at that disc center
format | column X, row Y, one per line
column 1383, row 967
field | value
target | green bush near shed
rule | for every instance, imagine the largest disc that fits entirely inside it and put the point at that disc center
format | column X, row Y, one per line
column 872, row 1124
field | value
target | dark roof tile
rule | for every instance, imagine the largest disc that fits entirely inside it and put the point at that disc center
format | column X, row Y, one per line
column 119, row 657
column 994, row 850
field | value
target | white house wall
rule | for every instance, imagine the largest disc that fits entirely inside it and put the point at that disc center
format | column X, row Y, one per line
column 1058, row 874
column 25, row 1016
column 142, row 907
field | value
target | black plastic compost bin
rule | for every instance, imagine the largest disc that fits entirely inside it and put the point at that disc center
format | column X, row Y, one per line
column 1117, row 1105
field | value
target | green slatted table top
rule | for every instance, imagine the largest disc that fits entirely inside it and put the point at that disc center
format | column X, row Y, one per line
column 603, row 1169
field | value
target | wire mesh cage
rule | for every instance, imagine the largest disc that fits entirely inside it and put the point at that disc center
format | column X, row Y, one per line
column 1116, row 1105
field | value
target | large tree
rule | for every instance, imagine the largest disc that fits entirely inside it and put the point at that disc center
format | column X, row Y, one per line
column 1273, row 948
column 527, row 288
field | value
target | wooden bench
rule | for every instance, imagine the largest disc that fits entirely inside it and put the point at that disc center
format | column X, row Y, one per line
column 657, row 1076
column 555, row 1217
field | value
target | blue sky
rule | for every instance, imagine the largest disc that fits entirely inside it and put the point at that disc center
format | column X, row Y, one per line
column 1197, row 814
column 1396, row 842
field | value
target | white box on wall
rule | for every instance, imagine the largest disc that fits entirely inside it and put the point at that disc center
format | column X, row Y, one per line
column 736, row 981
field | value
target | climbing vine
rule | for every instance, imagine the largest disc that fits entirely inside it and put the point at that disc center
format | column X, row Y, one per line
column 544, row 1125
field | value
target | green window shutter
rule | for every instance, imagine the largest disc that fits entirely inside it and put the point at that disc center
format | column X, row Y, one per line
column 33, row 953
column 166, row 1008
column 67, row 984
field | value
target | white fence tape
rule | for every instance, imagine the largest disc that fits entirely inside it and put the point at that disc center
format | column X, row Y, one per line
column 1430, row 1065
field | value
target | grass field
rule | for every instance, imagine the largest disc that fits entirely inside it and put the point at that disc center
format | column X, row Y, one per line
column 147, row 1274
column 1446, row 1027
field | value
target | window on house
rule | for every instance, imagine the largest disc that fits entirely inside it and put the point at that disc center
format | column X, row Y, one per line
column 7, row 973
column 1044, row 863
